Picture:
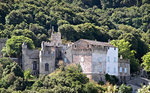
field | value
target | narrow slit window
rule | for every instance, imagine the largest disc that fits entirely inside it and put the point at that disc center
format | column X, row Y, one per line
column 34, row 65
column 46, row 67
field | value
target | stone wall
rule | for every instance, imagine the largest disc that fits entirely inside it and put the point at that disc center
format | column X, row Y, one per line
column 98, row 77
column 29, row 57
column 125, row 65
column 99, row 61
column 47, row 59
column 68, row 57
column 124, row 70
column 82, row 54
column 56, row 39
column 92, row 59
column 84, row 61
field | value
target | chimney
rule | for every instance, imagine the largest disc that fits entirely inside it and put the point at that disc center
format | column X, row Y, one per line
column 121, row 57
column 24, row 45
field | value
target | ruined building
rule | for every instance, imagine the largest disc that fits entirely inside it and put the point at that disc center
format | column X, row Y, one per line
column 96, row 58
column 43, row 61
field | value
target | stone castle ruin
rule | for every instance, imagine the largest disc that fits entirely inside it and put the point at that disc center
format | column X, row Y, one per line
column 45, row 60
column 96, row 58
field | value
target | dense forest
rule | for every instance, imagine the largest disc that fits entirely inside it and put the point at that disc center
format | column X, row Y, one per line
column 125, row 22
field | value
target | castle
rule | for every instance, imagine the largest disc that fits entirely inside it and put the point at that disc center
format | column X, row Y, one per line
column 45, row 60
column 96, row 58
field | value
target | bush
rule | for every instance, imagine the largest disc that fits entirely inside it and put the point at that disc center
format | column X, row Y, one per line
column 111, row 79
column 125, row 89
column 101, row 82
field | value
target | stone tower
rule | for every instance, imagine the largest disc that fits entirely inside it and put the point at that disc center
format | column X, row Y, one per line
column 24, row 57
column 30, row 59
column 47, row 58
column 55, row 38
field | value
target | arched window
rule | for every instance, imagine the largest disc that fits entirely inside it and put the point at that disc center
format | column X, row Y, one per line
column 34, row 65
column 75, row 46
column 46, row 67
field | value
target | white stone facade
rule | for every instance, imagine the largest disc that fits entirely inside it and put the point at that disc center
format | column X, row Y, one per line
column 112, row 61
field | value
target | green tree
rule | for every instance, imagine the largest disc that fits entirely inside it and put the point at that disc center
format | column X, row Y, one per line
column 10, row 73
column 146, row 61
column 13, row 45
column 68, row 32
column 61, row 22
column 26, row 33
column 125, row 89
column 14, row 17
column 123, row 47
column 124, row 50
column 5, row 61
column 144, row 89
column 4, row 10
column 70, row 79
column 37, row 29
column 27, row 75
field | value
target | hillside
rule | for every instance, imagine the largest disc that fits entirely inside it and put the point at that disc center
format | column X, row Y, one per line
column 89, row 19
column 125, row 22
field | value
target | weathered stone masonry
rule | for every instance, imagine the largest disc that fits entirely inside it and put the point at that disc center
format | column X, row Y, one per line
column 96, row 58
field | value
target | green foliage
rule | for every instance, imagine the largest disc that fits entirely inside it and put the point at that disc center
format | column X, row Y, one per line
column 68, row 32
column 5, row 61
column 29, row 21
column 61, row 22
column 11, row 75
column 146, row 61
column 67, row 80
column 144, row 89
column 3, row 90
column 125, row 89
column 79, row 19
column 110, row 88
column 101, row 82
column 26, row 33
column 111, row 79
column 18, row 84
column 27, row 74
column 91, row 88
column 124, row 50
column 15, row 68
column 14, row 17
column 13, row 45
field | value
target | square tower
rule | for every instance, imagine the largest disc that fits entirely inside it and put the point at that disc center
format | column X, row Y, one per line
column 47, row 58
